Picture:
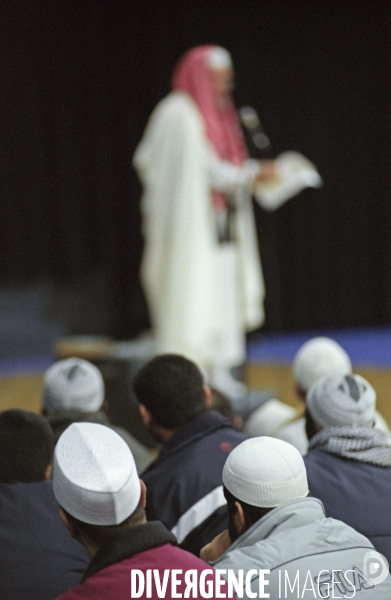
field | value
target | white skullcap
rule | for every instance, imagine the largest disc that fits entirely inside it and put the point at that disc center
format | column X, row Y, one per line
column 269, row 418
column 342, row 400
column 318, row 357
column 73, row 383
column 219, row 58
column 94, row 476
column 265, row 472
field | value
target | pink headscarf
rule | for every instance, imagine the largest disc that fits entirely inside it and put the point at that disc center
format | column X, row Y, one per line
column 192, row 75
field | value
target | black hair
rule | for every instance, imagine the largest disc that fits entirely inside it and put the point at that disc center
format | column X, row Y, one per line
column 171, row 388
column 100, row 534
column 26, row 446
column 311, row 428
column 252, row 513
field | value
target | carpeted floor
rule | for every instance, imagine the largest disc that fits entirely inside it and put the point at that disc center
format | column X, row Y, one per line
column 269, row 365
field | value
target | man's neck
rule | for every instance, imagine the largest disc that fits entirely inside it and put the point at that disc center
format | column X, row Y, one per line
column 162, row 435
column 167, row 436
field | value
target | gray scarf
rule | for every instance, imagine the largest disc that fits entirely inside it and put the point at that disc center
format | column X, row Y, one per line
column 363, row 444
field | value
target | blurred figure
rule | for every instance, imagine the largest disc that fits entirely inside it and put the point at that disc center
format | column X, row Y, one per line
column 274, row 525
column 269, row 418
column 201, row 269
column 184, row 482
column 349, row 461
column 222, row 404
column 102, row 503
column 38, row 559
column 316, row 358
column 73, row 391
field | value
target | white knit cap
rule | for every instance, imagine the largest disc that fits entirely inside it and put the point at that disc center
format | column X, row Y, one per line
column 265, row 472
column 94, row 476
column 318, row 357
column 219, row 58
column 73, row 383
column 342, row 400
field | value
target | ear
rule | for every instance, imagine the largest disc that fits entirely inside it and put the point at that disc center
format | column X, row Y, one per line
column 238, row 422
column 143, row 496
column 146, row 416
column 300, row 393
column 48, row 473
column 207, row 395
column 240, row 518
column 67, row 522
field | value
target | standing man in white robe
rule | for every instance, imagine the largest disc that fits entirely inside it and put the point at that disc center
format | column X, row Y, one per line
column 201, row 270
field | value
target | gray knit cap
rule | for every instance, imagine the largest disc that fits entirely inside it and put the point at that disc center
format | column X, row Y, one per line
column 73, row 384
column 338, row 400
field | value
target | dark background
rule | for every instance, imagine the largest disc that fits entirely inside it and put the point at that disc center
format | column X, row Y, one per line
column 78, row 82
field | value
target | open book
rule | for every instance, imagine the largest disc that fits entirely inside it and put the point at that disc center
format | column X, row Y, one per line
column 295, row 173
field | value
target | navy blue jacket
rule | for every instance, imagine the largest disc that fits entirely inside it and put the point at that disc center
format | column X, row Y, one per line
column 184, row 486
column 39, row 560
column 354, row 492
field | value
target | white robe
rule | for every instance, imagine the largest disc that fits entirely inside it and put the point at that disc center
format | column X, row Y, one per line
column 181, row 271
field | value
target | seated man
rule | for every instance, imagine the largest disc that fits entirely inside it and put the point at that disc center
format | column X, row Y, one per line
column 275, row 526
column 184, row 482
column 349, row 461
column 74, row 391
column 318, row 357
column 38, row 560
column 102, row 503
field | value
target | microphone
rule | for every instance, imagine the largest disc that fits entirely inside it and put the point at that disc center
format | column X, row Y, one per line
column 252, row 123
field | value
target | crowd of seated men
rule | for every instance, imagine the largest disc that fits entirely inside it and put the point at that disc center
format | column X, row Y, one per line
column 88, row 513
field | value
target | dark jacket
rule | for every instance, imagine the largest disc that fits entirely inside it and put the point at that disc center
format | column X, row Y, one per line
column 143, row 547
column 354, row 492
column 38, row 558
column 184, row 487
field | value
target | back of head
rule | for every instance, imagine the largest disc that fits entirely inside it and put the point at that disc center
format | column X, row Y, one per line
column 192, row 76
column 72, row 384
column 340, row 400
column 171, row 388
column 317, row 358
column 94, row 475
column 26, row 446
column 265, row 472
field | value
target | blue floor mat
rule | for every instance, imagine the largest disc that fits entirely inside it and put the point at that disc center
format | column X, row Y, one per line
column 24, row 366
column 367, row 347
